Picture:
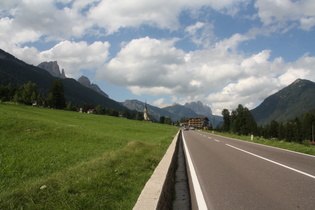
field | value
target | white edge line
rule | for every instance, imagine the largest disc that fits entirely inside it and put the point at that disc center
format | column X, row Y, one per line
column 274, row 162
column 199, row 195
column 264, row 145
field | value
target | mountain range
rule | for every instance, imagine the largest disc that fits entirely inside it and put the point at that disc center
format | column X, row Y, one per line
column 176, row 111
column 293, row 100
column 16, row 72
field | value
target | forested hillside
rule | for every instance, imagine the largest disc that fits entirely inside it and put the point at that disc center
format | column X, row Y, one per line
column 292, row 101
column 17, row 73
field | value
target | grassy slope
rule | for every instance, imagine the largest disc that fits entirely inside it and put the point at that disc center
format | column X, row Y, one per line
column 53, row 159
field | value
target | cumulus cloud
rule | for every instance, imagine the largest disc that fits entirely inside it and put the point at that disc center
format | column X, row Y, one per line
column 218, row 77
column 76, row 56
column 71, row 56
column 11, row 35
column 63, row 19
column 114, row 15
column 286, row 11
column 217, row 74
column 145, row 63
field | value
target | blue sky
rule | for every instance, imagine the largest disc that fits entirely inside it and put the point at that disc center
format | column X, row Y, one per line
column 220, row 52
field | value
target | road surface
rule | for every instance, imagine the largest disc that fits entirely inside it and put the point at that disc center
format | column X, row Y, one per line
column 234, row 174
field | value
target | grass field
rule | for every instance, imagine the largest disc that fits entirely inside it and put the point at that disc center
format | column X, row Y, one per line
column 307, row 149
column 52, row 159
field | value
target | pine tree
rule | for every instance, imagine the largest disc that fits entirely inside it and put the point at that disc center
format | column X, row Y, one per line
column 56, row 98
column 226, row 120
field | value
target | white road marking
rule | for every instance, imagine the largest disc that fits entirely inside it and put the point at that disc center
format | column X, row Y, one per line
column 216, row 140
column 263, row 145
column 199, row 195
column 209, row 137
column 274, row 162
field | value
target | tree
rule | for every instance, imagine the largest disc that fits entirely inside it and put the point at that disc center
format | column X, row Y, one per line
column 242, row 121
column 27, row 94
column 139, row 116
column 114, row 113
column 99, row 109
column 168, row 121
column 183, row 119
column 71, row 107
column 162, row 119
column 6, row 93
column 126, row 114
column 308, row 120
column 226, row 120
column 56, row 98
column 274, row 129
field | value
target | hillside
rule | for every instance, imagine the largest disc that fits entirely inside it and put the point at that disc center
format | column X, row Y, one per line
column 16, row 72
column 87, row 83
column 294, row 100
column 52, row 159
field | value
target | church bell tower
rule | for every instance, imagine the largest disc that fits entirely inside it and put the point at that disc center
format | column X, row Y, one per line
column 145, row 113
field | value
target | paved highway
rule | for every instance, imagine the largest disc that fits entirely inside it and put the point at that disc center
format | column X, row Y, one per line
column 234, row 174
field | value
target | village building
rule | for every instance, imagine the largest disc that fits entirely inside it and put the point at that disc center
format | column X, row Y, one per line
column 198, row 122
column 91, row 111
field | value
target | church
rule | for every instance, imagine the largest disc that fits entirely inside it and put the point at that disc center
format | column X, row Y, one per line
column 146, row 114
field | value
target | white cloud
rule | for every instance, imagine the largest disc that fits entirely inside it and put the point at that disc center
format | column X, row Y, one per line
column 75, row 56
column 201, row 34
column 218, row 74
column 147, row 63
column 158, row 102
column 71, row 56
column 303, row 68
column 11, row 35
column 114, row 15
column 50, row 21
column 292, row 74
column 285, row 11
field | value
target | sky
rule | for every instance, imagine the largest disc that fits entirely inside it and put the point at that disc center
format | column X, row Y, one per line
column 220, row 52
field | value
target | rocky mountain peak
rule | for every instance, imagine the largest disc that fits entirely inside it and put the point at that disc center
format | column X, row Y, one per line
column 53, row 68
column 83, row 80
column 199, row 108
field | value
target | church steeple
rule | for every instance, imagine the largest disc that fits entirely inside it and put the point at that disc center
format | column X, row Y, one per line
column 145, row 113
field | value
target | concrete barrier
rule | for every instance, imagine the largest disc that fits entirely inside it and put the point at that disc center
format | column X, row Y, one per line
column 158, row 192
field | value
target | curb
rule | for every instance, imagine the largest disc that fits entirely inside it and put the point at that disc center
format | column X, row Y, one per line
column 158, row 191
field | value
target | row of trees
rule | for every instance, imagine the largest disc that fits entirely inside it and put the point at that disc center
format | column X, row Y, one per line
column 296, row 130
column 28, row 94
column 241, row 122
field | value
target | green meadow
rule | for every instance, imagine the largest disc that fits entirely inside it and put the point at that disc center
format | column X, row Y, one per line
column 53, row 159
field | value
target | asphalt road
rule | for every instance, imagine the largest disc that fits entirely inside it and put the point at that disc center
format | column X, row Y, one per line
column 234, row 174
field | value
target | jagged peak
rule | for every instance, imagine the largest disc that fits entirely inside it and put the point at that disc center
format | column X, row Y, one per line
column 53, row 68
column 83, row 80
